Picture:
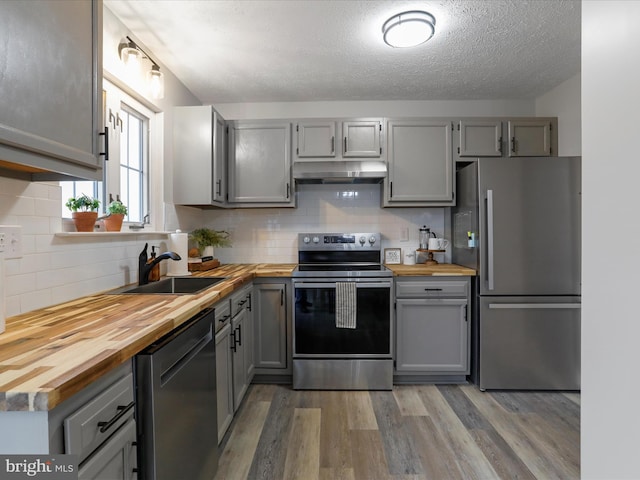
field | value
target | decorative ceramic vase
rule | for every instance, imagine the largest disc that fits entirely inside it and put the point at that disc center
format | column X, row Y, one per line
column 84, row 221
column 113, row 223
column 207, row 251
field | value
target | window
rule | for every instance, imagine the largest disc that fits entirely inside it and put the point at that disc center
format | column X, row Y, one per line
column 127, row 173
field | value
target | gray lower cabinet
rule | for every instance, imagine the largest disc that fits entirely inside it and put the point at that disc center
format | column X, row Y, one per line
column 419, row 156
column 260, row 164
column 271, row 327
column 224, row 367
column 432, row 327
column 199, row 177
column 241, row 343
column 116, row 460
column 51, row 118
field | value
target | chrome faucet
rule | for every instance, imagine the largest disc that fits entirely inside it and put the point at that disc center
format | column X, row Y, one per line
column 144, row 268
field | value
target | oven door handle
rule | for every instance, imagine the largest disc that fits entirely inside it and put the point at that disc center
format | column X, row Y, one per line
column 385, row 284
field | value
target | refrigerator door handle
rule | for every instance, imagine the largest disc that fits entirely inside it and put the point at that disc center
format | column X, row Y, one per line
column 524, row 306
column 490, row 272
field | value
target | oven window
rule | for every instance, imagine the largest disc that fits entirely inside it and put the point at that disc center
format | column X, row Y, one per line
column 315, row 323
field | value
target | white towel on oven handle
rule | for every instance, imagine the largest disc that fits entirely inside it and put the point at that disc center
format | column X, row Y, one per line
column 346, row 305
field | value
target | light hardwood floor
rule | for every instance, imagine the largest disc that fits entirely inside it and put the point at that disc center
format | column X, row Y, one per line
column 438, row 432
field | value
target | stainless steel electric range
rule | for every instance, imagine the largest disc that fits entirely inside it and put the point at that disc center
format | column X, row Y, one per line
column 342, row 313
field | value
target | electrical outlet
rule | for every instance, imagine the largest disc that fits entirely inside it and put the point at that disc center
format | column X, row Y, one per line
column 1, row 242
column 11, row 240
column 404, row 234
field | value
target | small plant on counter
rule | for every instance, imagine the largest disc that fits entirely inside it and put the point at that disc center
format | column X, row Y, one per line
column 206, row 237
column 116, row 207
column 84, row 203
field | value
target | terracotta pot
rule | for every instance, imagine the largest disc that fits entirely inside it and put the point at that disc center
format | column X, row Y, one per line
column 113, row 223
column 84, row 221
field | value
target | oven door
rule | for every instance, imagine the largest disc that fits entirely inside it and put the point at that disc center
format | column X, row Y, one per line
column 315, row 333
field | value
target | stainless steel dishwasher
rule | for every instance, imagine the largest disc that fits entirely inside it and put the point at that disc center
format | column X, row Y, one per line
column 176, row 403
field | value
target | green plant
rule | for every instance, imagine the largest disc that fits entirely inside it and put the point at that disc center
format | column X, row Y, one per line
column 84, row 203
column 116, row 207
column 205, row 237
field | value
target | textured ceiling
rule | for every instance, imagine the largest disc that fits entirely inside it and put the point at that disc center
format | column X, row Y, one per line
column 315, row 50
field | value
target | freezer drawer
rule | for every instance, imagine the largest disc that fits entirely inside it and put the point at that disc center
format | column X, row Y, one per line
column 529, row 343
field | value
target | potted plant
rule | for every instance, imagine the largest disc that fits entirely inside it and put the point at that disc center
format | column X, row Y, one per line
column 206, row 239
column 84, row 211
column 116, row 212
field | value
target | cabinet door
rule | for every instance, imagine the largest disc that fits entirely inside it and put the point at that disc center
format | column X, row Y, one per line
column 420, row 162
column 199, row 151
column 432, row 336
column 51, row 88
column 260, row 163
column 219, row 159
column 115, row 460
column 529, row 138
column 316, row 139
column 224, row 376
column 238, row 326
column 361, row 138
column 480, row 138
column 248, row 333
column 270, row 340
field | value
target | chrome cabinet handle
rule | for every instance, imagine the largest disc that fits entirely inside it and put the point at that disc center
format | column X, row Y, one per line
column 333, row 144
column 532, row 306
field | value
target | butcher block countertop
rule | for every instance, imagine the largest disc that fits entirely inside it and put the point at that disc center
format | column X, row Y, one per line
column 49, row 354
column 441, row 269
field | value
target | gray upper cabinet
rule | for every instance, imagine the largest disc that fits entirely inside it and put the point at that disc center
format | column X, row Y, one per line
column 316, row 139
column 420, row 163
column 480, row 138
column 260, row 164
column 199, row 152
column 530, row 138
column 51, row 117
column 361, row 138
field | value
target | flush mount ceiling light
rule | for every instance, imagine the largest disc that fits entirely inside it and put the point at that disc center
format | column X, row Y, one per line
column 408, row 29
column 131, row 55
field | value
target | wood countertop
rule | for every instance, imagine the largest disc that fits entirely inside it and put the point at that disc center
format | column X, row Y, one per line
column 441, row 269
column 49, row 354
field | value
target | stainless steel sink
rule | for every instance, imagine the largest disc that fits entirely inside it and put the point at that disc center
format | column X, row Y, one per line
column 174, row 285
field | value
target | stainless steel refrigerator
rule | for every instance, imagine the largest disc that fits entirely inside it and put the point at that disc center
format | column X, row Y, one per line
column 517, row 222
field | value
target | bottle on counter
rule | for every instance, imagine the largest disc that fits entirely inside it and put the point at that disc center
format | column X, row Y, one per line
column 425, row 234
column 154, row 274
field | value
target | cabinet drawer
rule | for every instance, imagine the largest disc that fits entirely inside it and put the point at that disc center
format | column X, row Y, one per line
column 438, row 288
column 222, row 313
column 93, row 423
column 240, row 300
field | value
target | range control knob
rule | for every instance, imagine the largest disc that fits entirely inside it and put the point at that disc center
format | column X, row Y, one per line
column 306, row 239
column 362, row 240
column 372, row 239
column 316, row 239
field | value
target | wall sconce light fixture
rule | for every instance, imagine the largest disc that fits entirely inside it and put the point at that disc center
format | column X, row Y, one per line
column 408, row 29
column 131, row 55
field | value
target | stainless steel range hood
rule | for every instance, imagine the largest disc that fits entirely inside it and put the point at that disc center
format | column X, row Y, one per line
column 368, row 171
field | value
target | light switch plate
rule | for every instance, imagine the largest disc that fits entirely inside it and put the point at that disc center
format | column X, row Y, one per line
column 11, row 240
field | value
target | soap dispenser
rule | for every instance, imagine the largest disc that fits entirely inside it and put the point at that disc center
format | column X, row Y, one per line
column 154, row 274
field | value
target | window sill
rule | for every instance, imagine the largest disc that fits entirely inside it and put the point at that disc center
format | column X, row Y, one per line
column 128, row 233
